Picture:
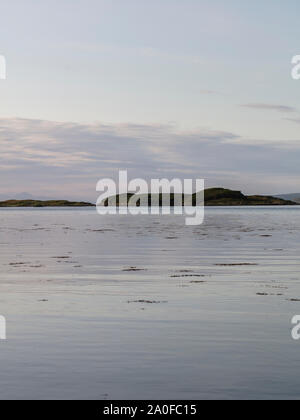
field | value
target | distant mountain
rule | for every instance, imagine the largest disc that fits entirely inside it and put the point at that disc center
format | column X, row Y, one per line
column 39, row 203
column 213, row 197
column 294, row 197
column 23, row 196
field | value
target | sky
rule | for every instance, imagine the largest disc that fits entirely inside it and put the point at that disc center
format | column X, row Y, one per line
column 162, row 88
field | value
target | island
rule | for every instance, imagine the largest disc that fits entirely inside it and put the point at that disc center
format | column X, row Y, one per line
column 39, row 203
column 212, row 197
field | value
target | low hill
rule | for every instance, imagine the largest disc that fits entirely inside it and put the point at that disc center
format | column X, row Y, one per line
column 225, row 197
column 213, row 197
column 38, row 203
column 294, row 197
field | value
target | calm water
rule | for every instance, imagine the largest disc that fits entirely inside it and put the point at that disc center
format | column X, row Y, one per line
column 187, row 322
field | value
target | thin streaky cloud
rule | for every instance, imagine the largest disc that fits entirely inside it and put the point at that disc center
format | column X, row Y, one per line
column 270, row 107
column 294, row 120
column 207, row 92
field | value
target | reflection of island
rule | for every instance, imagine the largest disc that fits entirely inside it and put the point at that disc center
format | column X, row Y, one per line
column 212, row 197
column 39, row 203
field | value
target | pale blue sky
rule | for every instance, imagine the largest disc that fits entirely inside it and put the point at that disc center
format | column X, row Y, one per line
column 207, row 70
